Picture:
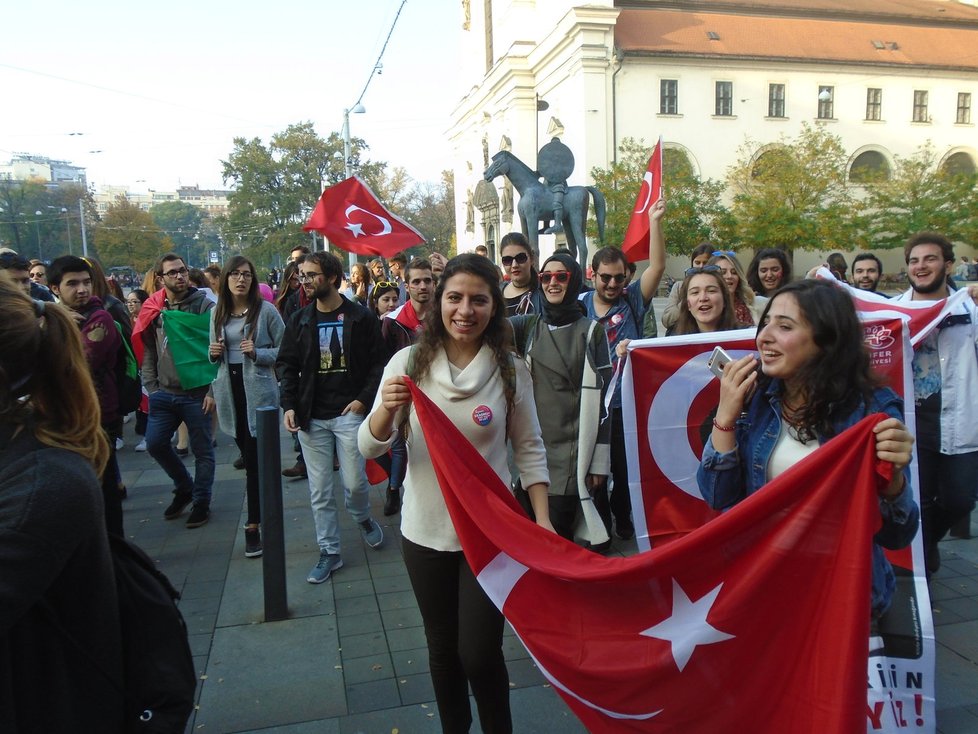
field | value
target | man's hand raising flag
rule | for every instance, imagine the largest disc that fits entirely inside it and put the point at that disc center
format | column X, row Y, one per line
column 351, row 216
column 636, row 243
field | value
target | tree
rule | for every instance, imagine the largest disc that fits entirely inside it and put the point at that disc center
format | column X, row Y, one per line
column 917, row 196
column 794, row 193
column 20, row 224
column 128, row 236
column 181, row 222
column 431, row 210
column 695, row 211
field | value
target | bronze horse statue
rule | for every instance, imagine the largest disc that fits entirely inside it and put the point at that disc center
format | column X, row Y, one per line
column 537, row 204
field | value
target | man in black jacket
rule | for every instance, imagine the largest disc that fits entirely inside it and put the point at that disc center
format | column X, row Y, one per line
column 329, row 365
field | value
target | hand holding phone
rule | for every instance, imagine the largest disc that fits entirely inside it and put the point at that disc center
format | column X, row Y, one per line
column 717, row 360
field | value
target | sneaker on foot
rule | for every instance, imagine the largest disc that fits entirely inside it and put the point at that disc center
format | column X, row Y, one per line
column 328, row 562
column 119, row 444
column 253, row 547
column 180, row 501
column 296, row 472
column 199, row 515
column 373, row 535
column 392, row 501
column 239, row 462
column 141, row 446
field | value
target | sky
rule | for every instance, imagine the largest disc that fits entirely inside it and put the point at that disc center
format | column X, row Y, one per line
column 151, row 96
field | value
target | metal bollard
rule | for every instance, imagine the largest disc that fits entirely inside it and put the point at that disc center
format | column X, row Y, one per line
column 272, row 524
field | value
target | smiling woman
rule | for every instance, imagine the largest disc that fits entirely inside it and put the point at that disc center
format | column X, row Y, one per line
column 704, row 303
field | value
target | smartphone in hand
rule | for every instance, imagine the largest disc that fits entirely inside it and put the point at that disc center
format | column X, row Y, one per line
column 717, row 360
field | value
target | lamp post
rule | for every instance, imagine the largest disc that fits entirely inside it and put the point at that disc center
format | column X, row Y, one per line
column 358, row 109
column 64, row 211
column 37, row 227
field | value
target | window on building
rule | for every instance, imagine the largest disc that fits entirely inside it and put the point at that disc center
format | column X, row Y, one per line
column 963, row 117
column 920, row 105
column 874, row 104
column 869, row 167
column 826, row 103
column 668, row 97
column 775, row 100
column 724, row 99
column 959, row 164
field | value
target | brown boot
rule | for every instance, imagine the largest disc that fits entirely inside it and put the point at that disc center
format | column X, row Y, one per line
column 296, row 472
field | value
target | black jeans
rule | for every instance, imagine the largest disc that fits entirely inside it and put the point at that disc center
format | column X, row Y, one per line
column 247, row 444
column 948, row 486
column 465, row 640
column 621, row 500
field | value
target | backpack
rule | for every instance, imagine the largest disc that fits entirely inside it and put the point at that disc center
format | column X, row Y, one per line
column 159, row 680
column 126, row 371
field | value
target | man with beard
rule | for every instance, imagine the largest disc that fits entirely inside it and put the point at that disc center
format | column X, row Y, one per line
column 945, row 380
column 622, row 310
column 70, row 279
column 329, row 366
column 521, row 292
column 866, row 272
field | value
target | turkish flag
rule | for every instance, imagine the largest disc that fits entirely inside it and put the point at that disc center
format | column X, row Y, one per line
column 147, row 314
column 757, row 622
column 351, row 216
column 636, row 243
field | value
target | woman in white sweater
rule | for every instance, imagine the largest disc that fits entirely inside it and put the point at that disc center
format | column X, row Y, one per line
column 463, row 362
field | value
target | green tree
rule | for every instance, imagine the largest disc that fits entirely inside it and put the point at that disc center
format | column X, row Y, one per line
column 431, row 210
column 128, row 236
column 182, row 223
column 794, row 194
column 20, row 223
column 918, row 195
column 695, row 210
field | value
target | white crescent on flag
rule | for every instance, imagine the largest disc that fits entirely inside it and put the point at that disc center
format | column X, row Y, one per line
column 647, row 181
column 357, row 229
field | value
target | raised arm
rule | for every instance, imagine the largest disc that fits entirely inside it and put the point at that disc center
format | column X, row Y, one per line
column 657, row 251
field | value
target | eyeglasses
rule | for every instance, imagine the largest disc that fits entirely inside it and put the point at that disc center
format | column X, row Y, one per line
column 608, row 277
column 561, row 276
column 702, row 269
column 309, row 277
column 241, row 274
column 520, row 259
column 175, row 273
column 723, row 253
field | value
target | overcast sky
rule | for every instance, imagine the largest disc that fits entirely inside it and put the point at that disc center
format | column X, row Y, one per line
column 158, row 92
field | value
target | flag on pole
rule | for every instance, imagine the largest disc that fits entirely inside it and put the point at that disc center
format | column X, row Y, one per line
column 351, row 216
column 636, row 243
column 755, row 622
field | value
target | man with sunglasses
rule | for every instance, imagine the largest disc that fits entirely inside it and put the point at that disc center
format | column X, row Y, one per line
column 622, row 310
column 170, row 404
column 521, row 291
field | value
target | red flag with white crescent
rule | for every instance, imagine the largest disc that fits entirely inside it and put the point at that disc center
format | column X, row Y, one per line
column 741, row 625
column 351, row 217
column 636, row 242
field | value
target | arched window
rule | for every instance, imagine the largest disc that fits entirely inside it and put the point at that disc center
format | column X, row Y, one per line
column 869, row 166
column 959, row 164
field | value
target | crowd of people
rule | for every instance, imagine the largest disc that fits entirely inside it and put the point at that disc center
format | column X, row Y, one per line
column 521, row 360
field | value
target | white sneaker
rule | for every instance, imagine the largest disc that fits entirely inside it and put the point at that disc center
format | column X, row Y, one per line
column 119, row 444
column 141, row 446
column 127, row 418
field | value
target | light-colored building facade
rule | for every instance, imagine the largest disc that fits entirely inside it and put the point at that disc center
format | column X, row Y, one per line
column 26, row 167
column 212, row 202
column 884, row 75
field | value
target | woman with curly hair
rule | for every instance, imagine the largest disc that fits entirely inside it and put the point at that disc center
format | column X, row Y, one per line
column 464, row 363
column 769, row 270
column 814, row 382
column 359, row 283
column 747, row 305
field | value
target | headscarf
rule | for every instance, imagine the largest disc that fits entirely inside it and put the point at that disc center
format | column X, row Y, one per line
column 570, row 309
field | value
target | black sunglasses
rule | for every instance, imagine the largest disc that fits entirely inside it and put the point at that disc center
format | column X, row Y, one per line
column 608, row 277
column 520, row 259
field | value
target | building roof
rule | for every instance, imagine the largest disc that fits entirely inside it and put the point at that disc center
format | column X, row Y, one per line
column 887, row 32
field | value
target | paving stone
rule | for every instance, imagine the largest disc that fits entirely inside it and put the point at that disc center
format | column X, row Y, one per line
column 401, row 618
column 410, row 662
column 358, row 624
column 355, row 646
column 409, row 638
column 956, row 721
column 372, row 696
column 415, row 688
column 369, row 668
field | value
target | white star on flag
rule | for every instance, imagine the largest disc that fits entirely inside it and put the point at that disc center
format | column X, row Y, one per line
column 356, row 229
column 687, row 626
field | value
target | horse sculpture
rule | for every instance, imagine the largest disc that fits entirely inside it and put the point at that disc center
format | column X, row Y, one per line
column 537, row 204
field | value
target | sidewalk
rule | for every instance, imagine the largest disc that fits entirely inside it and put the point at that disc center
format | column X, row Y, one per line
column 351, row 658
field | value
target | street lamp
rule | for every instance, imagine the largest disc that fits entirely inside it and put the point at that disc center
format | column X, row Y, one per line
column 37, row 226
column 358, row 109
column 64, row 211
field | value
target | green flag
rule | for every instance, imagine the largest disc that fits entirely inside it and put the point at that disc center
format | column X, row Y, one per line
column 188, row 335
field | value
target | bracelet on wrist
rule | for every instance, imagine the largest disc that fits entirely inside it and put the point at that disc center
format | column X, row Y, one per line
column 724, row 429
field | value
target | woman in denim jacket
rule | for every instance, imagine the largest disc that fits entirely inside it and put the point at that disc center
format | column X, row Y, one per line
column 814, row 383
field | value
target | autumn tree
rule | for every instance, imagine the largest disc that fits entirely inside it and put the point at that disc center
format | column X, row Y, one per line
column 794, row 193
column 128, row 236
column 695, row 211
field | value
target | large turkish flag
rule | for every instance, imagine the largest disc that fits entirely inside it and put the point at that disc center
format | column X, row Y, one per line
column 351, row 216
column 636, row 242
column 756, row 622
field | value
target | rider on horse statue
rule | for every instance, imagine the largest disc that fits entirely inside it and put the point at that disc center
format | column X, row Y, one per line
column 555, row 162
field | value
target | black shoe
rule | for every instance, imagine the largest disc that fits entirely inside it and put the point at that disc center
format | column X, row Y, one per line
column 175, row 509
column 253, row 547
column 392, row 502
column 239, row 462
column 182, row 451
column 625, row 530
column 199, row 515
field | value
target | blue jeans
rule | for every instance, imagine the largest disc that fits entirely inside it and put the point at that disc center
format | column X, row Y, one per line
column 166, row 412
column 323, row 439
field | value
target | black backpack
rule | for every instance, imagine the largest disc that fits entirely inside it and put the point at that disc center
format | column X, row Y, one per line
column 159, row 681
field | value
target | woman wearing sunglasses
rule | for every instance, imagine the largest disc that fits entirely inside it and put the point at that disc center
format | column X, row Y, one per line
column 705, row 304
column 747, row 306
column 246, row 331
column 384, row 297
column 521, row 290
column 571, row 367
